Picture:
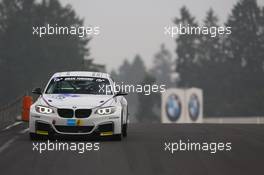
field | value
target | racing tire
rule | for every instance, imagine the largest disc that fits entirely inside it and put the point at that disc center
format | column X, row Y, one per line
column 51, row 137
column 34, row 136
column 117, row 137
column 124, row 130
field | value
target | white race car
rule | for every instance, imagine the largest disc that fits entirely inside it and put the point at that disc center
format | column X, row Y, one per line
column 79, row 103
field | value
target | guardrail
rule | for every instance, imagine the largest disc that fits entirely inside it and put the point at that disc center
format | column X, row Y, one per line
column 10, row 111
column 234, row 120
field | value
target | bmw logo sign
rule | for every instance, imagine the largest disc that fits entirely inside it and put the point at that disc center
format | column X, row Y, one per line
column 173, row 107
column 194, row 107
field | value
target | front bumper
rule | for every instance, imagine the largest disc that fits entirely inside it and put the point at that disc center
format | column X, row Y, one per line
column 104, row 125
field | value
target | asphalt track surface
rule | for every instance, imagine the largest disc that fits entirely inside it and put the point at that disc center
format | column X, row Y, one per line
column 142, row 152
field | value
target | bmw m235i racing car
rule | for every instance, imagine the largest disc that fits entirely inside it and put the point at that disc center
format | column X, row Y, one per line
column 79, row 103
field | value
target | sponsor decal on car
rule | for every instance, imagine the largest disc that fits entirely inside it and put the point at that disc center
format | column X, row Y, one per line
column 71, row 122
column 75, row 122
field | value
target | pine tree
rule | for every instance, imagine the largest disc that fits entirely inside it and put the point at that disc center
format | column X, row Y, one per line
column 186, row 50
column 138, row 70
column 211, row 66
column 29, row 60
column 124, row 72
column 163, row 67
column 244, row 54
column 147, row 103
column 132, row 74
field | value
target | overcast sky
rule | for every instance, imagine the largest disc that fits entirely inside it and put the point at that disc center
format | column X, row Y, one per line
column 130, row 27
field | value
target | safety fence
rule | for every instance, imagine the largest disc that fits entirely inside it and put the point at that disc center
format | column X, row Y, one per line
column 235, row 120
column 11, row 111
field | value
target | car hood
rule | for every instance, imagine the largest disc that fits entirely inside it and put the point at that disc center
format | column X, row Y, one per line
column 77, row 100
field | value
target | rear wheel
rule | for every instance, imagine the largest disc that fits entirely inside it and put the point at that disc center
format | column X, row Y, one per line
column 124, row 130
column 117, row 137
column 124, row 126
column 34, row 136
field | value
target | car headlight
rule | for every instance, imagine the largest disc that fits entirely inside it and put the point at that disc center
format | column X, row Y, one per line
column 106, row 110
column 44, row 110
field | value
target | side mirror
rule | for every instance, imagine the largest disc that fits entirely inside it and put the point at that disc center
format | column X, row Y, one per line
column 37, row 91
column 120, row 94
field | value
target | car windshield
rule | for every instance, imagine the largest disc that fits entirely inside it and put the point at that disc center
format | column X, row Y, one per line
column 79, row 85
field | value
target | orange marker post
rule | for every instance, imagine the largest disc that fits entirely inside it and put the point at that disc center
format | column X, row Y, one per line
column 27, row 102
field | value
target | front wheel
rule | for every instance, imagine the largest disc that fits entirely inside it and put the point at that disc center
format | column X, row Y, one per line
column 35, row 137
